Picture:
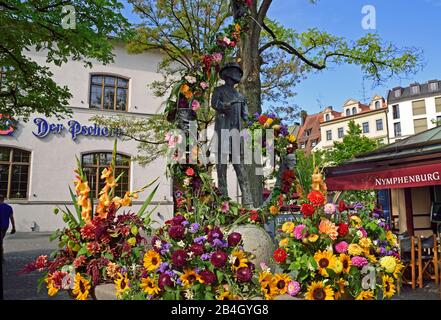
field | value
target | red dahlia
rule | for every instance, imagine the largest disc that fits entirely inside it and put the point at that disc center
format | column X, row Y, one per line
column 307, row 209
column 189, row 172
column 342, row 206
column 165, row 281
column 179, row 258
column 262, row 119
column 177, row 232
column 316, row 198
column 280, row 255
column 208, row 277
column 244, row 274
column 343, row 229
column 219, row 258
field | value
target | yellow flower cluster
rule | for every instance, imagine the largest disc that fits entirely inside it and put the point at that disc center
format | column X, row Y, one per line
column 273, row 285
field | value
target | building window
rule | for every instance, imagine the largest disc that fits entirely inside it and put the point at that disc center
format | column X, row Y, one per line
column 302, row 145
column 379, row 123
column 420, row 125
column 348, row 112
column 314, row 143
column 108, row 92
column 94, row 163
column 438, row 121
column 14, row 172
column 419, row 107
column 433, row 86
column 341, row 133
column 415, row 89
column 397, row 93
column 397, row 129
column 365, row 127
column 438, row 104
column 377, row 105
column 328, row 117
column 396, row 111
column 354, row 110
column 329, row 135
column 308, row 132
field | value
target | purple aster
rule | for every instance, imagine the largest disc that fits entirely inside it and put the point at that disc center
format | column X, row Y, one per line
column 170, row 273
column 199, row 240
column 284, row 130
column 358, row 206
column 217, row 243
column 163, row 267
column 206, row 257
column 194, row 228
column 185, row 223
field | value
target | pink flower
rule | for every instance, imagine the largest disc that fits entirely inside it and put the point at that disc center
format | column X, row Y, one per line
column 341, row 247
column 173, row 139
column 226, row 40
column 195, row 105
column 330, row 208
column 225, row 207
column 217, row 57
column 204, row 85
column 41, row 263
column 293, row 288
column 363, row 232
column 298, row 232
column 359, row 261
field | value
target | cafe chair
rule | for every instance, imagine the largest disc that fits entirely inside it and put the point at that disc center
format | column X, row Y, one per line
column 408, row 258
column 428, row 261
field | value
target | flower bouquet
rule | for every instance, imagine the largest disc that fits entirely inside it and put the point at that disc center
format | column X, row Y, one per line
column 97, row 243
column 191, row 261
column 333, row 252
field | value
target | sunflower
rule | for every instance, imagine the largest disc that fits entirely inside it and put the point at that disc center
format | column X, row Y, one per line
column 190, row 277
column 149, row 286
column 399, row 267
column 268, row 285
column 391, row 238
column 365, row 295
column 238, row 260
column 325, row 260
column 227, row 296
column 152, row 260
column 51, row 289
column 81, row 287
column 318, row 291
column 340, row 284
column 388, row 286
column 346, row 261
column 282, row 281
column 121, row 284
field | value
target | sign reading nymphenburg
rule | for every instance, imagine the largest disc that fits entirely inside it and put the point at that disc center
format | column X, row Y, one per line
column 75, row 128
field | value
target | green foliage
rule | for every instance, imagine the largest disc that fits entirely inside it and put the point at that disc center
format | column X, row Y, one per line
column 27, row 86
column 353, row 143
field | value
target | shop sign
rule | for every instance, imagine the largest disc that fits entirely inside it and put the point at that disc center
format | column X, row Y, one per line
column 75, row 129
column 394, row 178
column 7, row 125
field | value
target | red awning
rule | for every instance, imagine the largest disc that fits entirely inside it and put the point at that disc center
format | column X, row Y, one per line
column 396, row 178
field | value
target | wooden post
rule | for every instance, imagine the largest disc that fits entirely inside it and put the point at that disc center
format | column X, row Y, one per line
column 409, row 210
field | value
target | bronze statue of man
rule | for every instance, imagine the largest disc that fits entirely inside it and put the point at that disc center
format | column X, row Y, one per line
column 231, row 108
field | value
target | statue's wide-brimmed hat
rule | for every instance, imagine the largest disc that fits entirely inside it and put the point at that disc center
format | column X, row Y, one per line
column 230, row 65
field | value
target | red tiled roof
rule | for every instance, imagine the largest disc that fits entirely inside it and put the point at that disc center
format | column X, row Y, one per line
column 312, row 122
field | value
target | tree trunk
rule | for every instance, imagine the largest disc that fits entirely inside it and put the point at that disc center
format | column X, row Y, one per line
column 251, row 87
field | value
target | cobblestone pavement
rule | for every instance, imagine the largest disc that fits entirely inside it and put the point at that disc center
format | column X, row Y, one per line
column 22, row 248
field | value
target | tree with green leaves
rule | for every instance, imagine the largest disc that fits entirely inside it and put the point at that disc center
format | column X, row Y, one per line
column 353, row 144
column 61, row 30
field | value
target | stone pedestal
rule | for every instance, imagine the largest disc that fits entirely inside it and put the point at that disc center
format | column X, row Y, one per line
column 105, row 292
column 257, row 242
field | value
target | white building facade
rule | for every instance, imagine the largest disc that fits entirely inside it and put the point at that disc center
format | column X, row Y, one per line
column 413, row 109
column 37, row 159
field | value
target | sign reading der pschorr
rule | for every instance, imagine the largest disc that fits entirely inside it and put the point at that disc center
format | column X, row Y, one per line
column 75, row 128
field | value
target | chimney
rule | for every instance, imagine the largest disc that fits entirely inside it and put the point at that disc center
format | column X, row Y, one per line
column 303, row 115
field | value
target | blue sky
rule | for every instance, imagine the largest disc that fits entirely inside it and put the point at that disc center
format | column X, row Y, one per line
column 406, row 23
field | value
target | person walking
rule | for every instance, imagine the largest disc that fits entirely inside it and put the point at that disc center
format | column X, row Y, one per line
column 6, row 215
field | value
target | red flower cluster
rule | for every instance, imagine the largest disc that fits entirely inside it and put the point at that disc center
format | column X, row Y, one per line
column 342, row 206
column 262, row 119
column 307, row 210
column 316, row 198
column 280, row 255
column 288, row 178
column 343, row 229
column 189, row 172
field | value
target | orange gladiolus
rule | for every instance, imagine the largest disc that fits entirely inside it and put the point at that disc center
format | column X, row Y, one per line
column 106, row 173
